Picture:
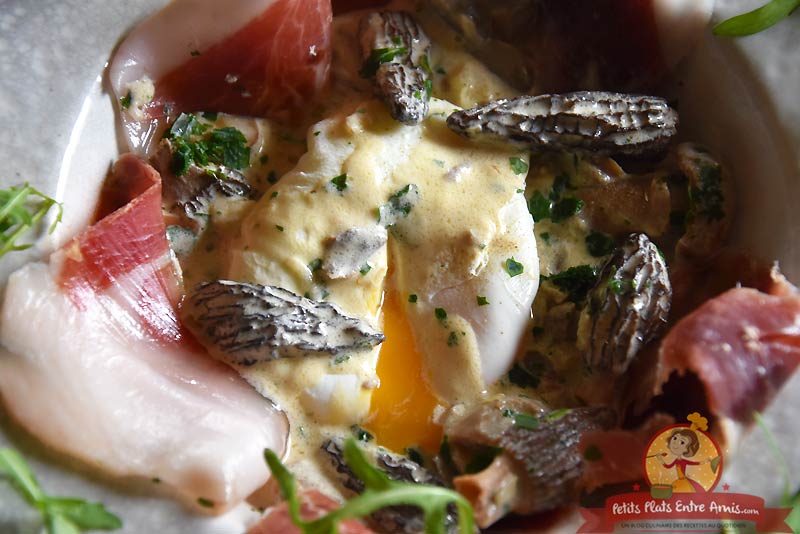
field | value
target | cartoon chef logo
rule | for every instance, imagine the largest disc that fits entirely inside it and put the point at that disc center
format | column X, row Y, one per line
column 683, row 459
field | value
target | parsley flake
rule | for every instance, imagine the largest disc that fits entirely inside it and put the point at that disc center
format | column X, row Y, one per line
column 340, row 182
column 518, row 165
column 412, row 298
column 378, row 57
column 513, row 267
column 482, row 301
column 126, row 100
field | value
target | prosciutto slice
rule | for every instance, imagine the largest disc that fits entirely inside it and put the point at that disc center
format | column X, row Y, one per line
column 742, row 345
column 99, row 367
column 265, row 58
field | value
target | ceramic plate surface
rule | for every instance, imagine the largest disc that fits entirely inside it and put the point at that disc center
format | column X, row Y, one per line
column 739, row 97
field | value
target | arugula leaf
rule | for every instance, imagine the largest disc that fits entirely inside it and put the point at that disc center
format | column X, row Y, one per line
column 379, row 492
column 19, row 212
column 757, row 20
column 62, row 515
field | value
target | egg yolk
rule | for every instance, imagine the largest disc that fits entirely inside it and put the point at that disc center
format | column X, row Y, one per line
column 401, row 411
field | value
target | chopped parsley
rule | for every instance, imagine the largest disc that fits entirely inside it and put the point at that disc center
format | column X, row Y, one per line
column 539, row 206
column 412, row 298
column 518, row 165
column 441, row 314
column 482, row 301
column 575, row 281
column 599, row 244
column 513, row 267
column 378, row 57
column 553, row 206
column 399, row 205
column 192, row 143
column 365, row 269
column 566, row 208
column 279, row 227
column 315, row 265
column 341, row 359
column 428, row 88
column 126, row 101
column 340, row 182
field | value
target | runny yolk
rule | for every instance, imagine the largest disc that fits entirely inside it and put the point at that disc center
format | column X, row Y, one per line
column 401, row 411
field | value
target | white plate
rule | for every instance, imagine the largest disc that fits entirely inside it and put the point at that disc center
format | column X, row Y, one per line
column 738, row 96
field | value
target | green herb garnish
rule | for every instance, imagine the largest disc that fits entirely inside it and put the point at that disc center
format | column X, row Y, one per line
column 379, row 492
column 575, row 281
column 518, row 165
column 757, row 20
column 340, row 182
column 365, row 269
column 192, row 143
column 126, row 100
column 539, row 206
column 378, row 57
column 452, row 339
column 315, row 265
column 441, row 314
column 21, row 207
column 566, row 208
column 361, row 434
column 482, row 301
column 599, row 244
column 513, row 267
column 412, row 298
column 62, row 515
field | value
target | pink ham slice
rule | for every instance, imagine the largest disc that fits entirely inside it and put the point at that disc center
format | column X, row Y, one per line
column 742, row 345
column 313, row 505
column 99, row 368
column 266, row 58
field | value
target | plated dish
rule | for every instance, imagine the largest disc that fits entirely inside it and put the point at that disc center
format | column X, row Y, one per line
column 346, row 412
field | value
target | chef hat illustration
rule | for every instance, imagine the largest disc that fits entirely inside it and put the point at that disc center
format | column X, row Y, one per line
column 698, row 422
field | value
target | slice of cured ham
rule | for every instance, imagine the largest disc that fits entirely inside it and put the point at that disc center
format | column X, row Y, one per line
column 100, row 369
column 313, row 505
column 742, row 345
column 248, row 57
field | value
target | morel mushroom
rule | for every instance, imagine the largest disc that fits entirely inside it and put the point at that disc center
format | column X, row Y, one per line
column 595, row 121
column 627, row 307
column 246, row 323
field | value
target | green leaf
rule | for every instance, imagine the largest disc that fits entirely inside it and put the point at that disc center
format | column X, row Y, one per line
column 378, row 57
column 482, row 301
column 228, row 147
column 14, row 467
column 518, row 165
column 340, row 182
column 440, row 313
column 20, row 210
column 575, row 281
column 62, row 515
column 379, row 492
column 126, row 100
column 757, row 20
column 513, row 267
column 599, row 244
column 412, row 298
column 566, row 208
column 58, row 524
column 539, row 206
column 86, row 515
